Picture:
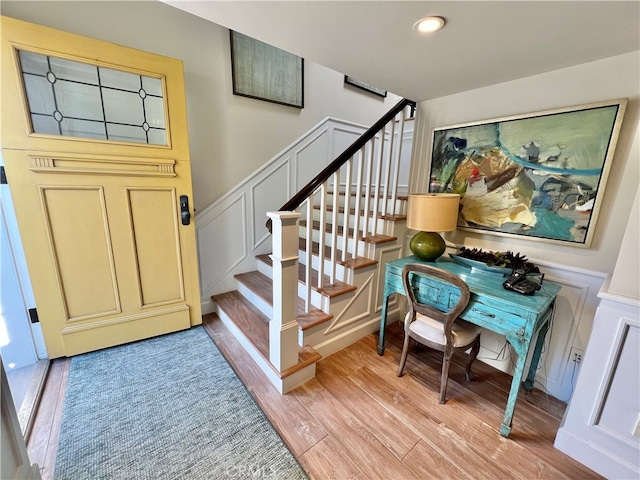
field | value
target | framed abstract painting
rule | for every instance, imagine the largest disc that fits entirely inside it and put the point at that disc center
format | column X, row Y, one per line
column 539, row 176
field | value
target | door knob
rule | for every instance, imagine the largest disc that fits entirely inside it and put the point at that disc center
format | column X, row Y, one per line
column 185, row 214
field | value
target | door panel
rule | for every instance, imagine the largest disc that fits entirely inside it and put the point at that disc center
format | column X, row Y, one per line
column 78, row 233
column 97, row 159
column 157, row 245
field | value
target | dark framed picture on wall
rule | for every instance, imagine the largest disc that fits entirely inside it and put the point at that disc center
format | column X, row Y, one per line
column 264, row 72
column 365, row 86
column 539, row 176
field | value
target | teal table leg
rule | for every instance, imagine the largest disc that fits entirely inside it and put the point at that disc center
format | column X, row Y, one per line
column 505, row 428
column 383, row 322
column 535, row 359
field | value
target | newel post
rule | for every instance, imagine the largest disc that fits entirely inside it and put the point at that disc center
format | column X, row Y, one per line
column 283, row 327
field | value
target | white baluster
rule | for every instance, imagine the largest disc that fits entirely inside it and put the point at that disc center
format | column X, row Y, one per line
column 358, row 206
column 385, row 194
column 334, row 226
column 323, row 226
column 368, row 186
column 394, row 191
column 308, row 255
column 347, row 210
column 376, row 192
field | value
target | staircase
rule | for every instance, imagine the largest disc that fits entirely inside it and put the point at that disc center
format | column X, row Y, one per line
column 319, row 289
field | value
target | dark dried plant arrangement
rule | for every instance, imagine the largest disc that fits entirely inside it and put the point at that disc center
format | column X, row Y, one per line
column 499, row 259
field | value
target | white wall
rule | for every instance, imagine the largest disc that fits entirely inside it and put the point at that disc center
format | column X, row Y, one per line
column 230, row 136
column 624, row 280
column 607, row 79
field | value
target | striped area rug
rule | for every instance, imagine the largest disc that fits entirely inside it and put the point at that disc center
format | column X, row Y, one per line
column 169, row 407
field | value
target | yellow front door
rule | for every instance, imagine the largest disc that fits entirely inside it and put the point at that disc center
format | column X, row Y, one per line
column 95, row 145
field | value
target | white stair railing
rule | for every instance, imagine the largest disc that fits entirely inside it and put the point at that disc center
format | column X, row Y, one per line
column 380, row 199
column 376, row 180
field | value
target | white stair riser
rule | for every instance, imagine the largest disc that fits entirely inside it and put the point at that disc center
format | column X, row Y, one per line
column 352, row 219
column 342, row 274
column 400, row 204
column 340, row 243
column 315, row 261
column 258, row 302
column 282, row 385
column 317, row 300
column 382, row 227
column 265, row 269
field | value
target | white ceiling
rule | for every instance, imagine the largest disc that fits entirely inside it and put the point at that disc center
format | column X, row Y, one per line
column 483, row 42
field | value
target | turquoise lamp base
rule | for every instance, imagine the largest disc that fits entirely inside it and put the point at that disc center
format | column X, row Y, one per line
column 427, row 246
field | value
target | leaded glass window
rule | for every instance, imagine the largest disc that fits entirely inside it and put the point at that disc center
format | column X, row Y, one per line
column 77, row 99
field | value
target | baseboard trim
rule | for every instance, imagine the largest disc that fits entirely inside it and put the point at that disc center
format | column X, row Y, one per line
column 593, row 456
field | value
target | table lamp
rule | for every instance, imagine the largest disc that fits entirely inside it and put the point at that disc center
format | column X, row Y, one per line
column 431, row 213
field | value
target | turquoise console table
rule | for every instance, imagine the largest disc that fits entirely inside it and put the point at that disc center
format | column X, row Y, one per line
column 518, row 317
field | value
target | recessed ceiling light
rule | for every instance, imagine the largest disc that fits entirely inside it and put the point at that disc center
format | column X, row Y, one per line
column 429, row 24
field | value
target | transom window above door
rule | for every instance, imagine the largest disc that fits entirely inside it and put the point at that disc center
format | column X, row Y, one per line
column 76, row 99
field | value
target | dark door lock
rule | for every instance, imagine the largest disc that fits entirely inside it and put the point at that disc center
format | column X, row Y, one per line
column 184, row 210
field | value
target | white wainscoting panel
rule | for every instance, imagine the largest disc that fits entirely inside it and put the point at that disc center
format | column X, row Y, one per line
column 268, row 194
column 221, row 242
column 385, row 255
column 311, row 156
column 600, row 427
column 343, row 137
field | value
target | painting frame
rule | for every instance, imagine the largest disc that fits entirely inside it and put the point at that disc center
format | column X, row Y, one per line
column 537, row 176
column 365, row 86
column 264, row 72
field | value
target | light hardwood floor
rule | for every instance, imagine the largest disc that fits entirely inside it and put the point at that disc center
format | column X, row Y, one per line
column 357, row 420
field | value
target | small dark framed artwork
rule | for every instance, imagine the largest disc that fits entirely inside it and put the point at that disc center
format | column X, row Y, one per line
column 365, row 86
column 264, row 72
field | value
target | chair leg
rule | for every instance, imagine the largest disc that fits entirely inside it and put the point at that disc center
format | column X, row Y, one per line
column 405, row 351
column 473, row 354
column 446, row 362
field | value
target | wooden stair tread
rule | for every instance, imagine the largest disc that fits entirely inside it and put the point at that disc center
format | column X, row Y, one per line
column 354, row 262
column 249, row 319
column 395, row 218
column 399, row 196
column 262, row 286
column 254, row 325
column 329, row 290
column 375, row 239
column 352, row 212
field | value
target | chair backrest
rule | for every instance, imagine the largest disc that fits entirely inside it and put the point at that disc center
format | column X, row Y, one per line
column 446, row 317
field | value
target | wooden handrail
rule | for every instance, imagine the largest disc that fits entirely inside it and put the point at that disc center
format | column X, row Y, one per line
column 334, row 166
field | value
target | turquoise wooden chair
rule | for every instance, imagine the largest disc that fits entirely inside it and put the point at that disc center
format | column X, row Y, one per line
column 435, row 328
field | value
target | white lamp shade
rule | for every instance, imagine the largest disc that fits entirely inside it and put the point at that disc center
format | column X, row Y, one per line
column 433, row 212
